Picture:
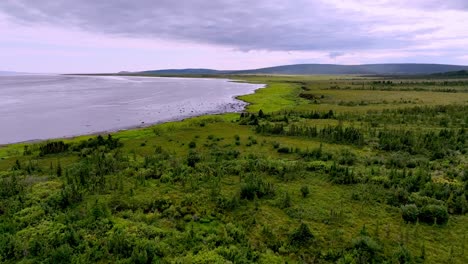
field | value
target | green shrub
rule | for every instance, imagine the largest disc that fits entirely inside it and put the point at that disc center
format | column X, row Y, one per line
column 403, row 255
column 193, row 158
column 346, row 157
column 366, row 249
column 285, row 201
column 62, row 254
column 53, row 148
column 437, row 214
column 342, row 175
column 254, row 186
column 192, row 144
column 276, row 145
column 305, row 191
column 139, row 255
column 284, row 150
column 410, row 213
column 223, row 203
column 302, row 236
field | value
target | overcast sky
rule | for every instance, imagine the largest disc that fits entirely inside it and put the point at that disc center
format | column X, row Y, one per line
column 108, row 36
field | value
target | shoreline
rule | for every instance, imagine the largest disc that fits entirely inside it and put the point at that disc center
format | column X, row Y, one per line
column 221, row 111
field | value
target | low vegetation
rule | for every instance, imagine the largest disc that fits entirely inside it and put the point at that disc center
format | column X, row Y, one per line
column 312, row 172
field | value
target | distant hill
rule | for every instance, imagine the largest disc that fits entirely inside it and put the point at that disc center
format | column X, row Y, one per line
column 307, row 69
column 185, row 71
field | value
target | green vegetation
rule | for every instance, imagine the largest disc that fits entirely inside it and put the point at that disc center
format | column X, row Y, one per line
column 319, row 169
column 462, row 73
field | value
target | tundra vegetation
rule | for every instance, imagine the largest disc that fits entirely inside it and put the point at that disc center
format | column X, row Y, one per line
column 323, row 169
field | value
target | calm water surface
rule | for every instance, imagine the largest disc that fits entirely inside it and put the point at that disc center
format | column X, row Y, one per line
column 52, row 106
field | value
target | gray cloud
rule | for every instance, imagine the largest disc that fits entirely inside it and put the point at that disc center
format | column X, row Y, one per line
column 439, row 4
column 336, row 54
column 241, row 24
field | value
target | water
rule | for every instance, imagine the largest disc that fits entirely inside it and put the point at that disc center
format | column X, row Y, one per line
column 44, row 107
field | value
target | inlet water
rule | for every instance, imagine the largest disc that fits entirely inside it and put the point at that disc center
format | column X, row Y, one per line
column 37, row 107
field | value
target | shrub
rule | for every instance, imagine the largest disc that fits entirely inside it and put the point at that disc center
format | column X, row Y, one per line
column 366, row 249
column 139, row 255
column 62, row 254
column 16, row 166
column 403, row 255
column 432, row 213
column 193, row 158
column 119, row 243
column 342, row 175
column 261, row 114
column 254, row 186
column 285, row 201
column 94, row 143
column 53, row 148
column 346, row 157
column 427, row 212
column 284, row 150
column 410, row 213
column 192, row 144
column 225, row 204
column 302, row 236
column 305, row 191
column 276, row 145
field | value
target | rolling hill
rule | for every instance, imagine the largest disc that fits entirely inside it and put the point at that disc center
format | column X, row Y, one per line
column 306, row 69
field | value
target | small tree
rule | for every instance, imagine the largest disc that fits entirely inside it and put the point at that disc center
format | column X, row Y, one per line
column 261, row 114
column 285, row 201
column 410, row 213
column 305, row 191
column 59, row 169
column 301, row 236
column 17, row 165
column 193, row 158
column 192, row 144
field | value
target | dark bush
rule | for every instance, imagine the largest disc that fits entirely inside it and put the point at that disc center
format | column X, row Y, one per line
column 302, row 236
column 192, row 144
column 193, row 158
column 254, row 186
column 305, row 191
column 53, row 148
column 410, row 213
column 284, row 150
column 342, row 175
column 366, row 249
column 437, row 214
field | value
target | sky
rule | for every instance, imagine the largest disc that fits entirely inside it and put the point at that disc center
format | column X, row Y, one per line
column 78, row 36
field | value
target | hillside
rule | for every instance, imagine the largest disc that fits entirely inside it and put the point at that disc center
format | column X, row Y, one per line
column 184, row 71
column 310, row 69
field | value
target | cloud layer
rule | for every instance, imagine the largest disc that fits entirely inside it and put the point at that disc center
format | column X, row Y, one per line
column 243, row 24
column 337, row 28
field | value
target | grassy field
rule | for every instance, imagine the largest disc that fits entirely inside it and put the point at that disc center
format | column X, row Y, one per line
column 319, row 169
